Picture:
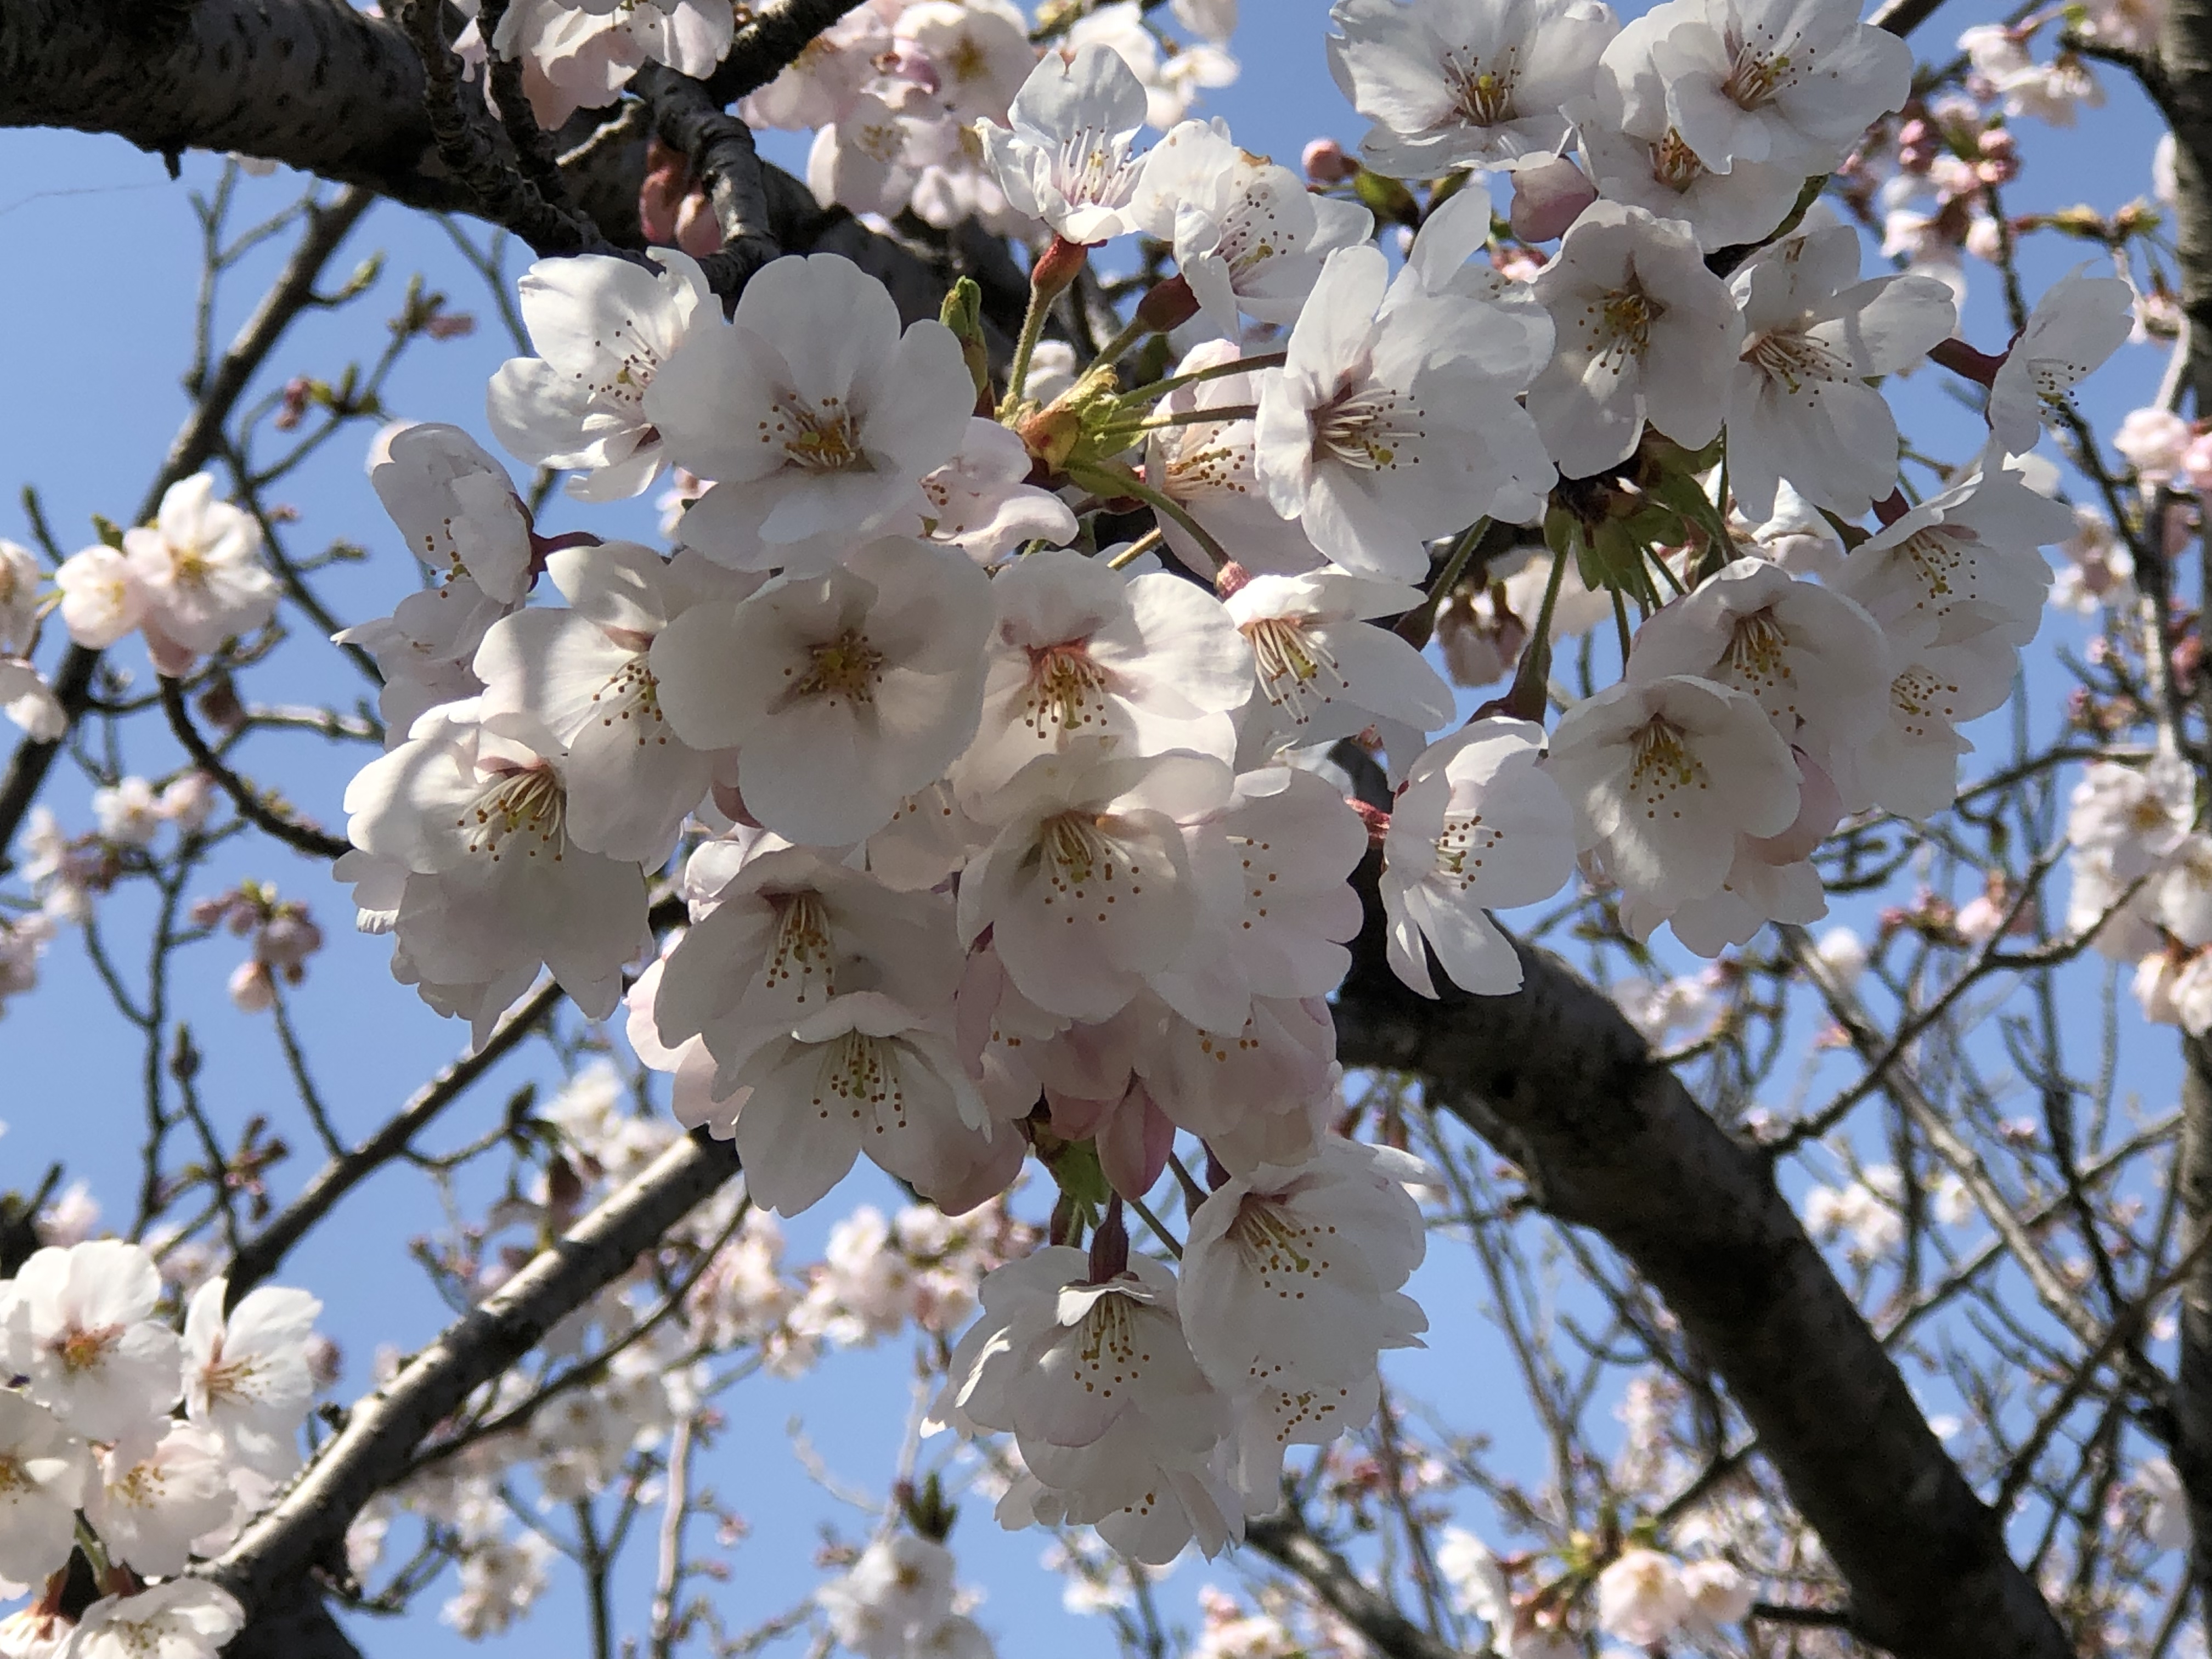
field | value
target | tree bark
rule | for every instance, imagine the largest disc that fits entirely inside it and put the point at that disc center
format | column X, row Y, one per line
column 1556, row 1079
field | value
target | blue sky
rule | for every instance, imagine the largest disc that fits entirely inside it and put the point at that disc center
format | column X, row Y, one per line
column 104, row 258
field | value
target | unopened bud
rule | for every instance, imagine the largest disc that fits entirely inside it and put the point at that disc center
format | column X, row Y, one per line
column 1547, row 198
column 1325, row 163
column 1055, row 268
column 1169, row 305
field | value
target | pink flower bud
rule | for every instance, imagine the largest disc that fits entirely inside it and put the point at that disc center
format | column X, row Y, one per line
column 251, row 988
column 1547, row 198
column 1325, row 163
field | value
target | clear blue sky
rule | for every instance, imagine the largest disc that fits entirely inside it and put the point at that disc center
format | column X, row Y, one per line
column 103, row 258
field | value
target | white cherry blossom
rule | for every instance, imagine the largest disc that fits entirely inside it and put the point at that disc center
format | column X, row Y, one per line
column 455, row 506
column 199, row 568
column 1210, row 469
column 45, row 1473
column 816, row 416
column 1793, row 82
column 1066, row 156
column 1381, row 431
column 1641, row 1598
column 2078, row 323
column 980, row 49
column 1814, row 660
column 861, row 1074
column 603, row 328
column 158, row 1491
column 1292, row 1276
column 843, row 693
column 102, row 598
column 1248, row 237
column 82, row 1330
column 1801, row 408
column 1078, row 652
column 1657, row 171
column 1640, row 325
column 818, row 85
column 1086, row 884
column 981, row 500
column 247, row 1377
column 586, row 674
column 1664, row 775
column 474, row 817
column 426, row 649
column 1477, row 824
column 1464, row 83
column 1116, row 1422
column 1911, row 766
column 579, row 56
column 184, row 1619
column 1324, row 670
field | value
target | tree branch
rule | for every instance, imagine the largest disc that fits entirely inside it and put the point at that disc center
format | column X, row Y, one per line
column 300, row 837
column 307, row 1527
column 200, row 437
column 1610, row 1140
column 1284, row 1540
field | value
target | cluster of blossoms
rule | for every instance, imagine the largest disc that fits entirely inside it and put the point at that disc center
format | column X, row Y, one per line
column 91, row 1379
column 997, row 841
column 2141, row 882
column 898, row 1600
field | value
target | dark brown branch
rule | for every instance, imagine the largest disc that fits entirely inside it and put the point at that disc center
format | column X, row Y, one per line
column 1284, row 1540
column 719, row 148
column 772, row 36
column 1607, row 1138
column 199, row 439
column 302, row 837
column 306, row 1527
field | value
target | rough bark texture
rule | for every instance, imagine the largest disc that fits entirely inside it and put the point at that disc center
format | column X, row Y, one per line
column 1559, row 1082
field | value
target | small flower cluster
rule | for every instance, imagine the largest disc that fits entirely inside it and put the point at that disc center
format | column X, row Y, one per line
column 91, row 1377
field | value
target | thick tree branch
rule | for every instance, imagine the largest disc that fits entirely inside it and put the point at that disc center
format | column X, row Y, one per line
column 305, row 1529
column 1610, row 1140
column 719, row 148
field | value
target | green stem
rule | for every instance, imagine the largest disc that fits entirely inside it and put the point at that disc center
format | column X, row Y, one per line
column 1111, row 352
column 1136, row 549
column 1112, row 481
column 1024, row 348
column 1157, row 389
column 1529, row 694
column 1620, row 623
column 1417, row 625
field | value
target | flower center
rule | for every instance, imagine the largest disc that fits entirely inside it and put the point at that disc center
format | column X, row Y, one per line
column 1277, row 1246
column 1460, row 847
column 1108, row 1353
column 1076, row 855
column 14, row 1477
column 1356, row 427
column 1626, row 318
column 802, row 944
column 1294, row 665
column 529, row 806
column 846, row 667
column 1673, row 163
column 82, row 1347
column 816, row 438
column 1755, row 80
column 1067, row 687
column 636, row 360
column 1484, row 96
column 632, row 697
column 1664, row 765
column 1758, row 659
column 1922, row 702
column 859, row 1072
column 1094, row 169
column 1796, row 360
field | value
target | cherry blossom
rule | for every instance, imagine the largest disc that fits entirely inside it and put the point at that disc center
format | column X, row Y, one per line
column 1383, row 430
column 1065, row 156
column 1459, row 83
column 1117, row 1426
column 1801, row 408
column 579, row 56
column 1210, row 469
column 45, row 1473
column 455, row 506
column 1664, row 775
column 1477, row 824
column 816, row 416
column 198, row 568
column 980, row 499
column 184, row 1619
column 602, row 327
column 79, row 1327
column 818, row 85
column 586, row 674
column 2078, row 323
column 471, row 816
column 844, row 693
column 1246, row 235
column 1641, row 1597
column 1078, row 652
column 860, row 1074
column 1326, row 671
column 156, row 1495
column 1763, row 81
column 1640, row 323
column 1086, row 884
column 246, row 1374
column 898, row 1591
